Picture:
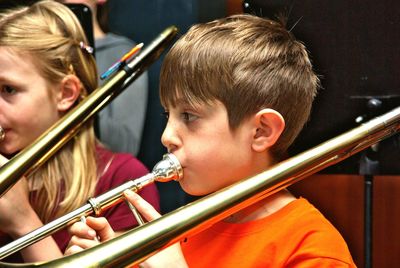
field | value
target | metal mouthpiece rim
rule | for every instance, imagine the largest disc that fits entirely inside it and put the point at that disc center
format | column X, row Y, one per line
column 176, row 164
column 2, row 134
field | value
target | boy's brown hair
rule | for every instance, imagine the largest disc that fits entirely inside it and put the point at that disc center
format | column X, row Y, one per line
column 248, row 63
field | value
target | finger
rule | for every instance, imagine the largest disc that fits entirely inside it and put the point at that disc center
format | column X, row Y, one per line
column 102, row 227
column 82, row 230
column 82, row 243
column 145, row 209
column 72, row 250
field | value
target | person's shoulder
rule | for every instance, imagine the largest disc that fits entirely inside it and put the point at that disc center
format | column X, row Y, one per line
column 126, row 161
column 302, row 221
column 113, row 40
column 320, row 239
column 301, row 210
column 116, row 169
column 120, row 165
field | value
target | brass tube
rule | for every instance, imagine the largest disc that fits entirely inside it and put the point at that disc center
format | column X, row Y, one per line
column 166, row 170
column 61, row 132
column 140, row 243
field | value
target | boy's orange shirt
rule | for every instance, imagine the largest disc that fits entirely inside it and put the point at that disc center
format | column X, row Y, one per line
column 297, row 235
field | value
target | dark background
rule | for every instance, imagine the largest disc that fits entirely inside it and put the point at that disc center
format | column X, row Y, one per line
column 354, row 46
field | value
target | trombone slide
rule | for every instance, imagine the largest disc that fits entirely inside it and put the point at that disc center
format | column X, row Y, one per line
column 167, row 169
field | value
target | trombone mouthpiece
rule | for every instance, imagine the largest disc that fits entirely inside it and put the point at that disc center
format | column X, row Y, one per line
column 2, row 134
column 168, row 169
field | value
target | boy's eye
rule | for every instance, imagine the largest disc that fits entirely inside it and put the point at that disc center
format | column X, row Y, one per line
column 188, row 117
column 8, row 90
column 166, row 115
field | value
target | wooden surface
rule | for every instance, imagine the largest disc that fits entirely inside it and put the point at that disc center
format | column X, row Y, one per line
column 386, row 221
column 234, row 7
column 341, row 199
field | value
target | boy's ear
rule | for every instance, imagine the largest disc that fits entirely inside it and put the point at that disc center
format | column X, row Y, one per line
column 269, row 125
column 70, row 90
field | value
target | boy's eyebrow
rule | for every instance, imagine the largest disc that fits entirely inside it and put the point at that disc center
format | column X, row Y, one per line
column 180, row 102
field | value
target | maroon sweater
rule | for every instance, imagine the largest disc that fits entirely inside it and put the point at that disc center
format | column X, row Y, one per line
column 116, row 169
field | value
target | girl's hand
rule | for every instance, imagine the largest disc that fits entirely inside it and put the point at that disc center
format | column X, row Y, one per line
column 15, row 208
column 18, row 218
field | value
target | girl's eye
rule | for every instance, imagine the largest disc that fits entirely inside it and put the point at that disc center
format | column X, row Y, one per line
column 188, row 117
column 8, row 90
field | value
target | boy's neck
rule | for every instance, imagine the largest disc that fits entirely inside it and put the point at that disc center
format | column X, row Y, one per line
column 262, row 208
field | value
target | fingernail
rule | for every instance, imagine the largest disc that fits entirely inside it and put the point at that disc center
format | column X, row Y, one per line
column 129, row 192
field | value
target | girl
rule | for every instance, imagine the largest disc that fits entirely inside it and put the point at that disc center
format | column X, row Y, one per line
column 46, row 68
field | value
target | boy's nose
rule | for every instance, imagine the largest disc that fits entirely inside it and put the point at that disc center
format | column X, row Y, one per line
column 169, row 138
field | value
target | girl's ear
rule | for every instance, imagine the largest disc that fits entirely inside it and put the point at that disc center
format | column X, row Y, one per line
column 269, row 125
column 70, row 90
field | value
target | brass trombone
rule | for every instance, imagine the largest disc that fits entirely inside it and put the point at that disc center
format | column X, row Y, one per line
column 140, row 243
column 166, row 170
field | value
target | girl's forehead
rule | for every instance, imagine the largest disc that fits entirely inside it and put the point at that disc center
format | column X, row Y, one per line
column 12, row 61
column 10, row 53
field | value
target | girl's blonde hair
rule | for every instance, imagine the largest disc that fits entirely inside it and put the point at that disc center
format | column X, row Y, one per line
column 50, row 33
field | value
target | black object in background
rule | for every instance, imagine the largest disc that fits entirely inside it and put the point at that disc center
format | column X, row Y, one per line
column 82, row 12
column 354, row 47
column 84, row 15
column 4, row 4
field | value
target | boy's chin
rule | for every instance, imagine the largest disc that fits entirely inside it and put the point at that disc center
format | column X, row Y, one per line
column 190, row 190
column 8, row 152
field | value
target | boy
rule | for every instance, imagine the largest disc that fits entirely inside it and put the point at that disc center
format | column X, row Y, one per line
column 237, row 91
